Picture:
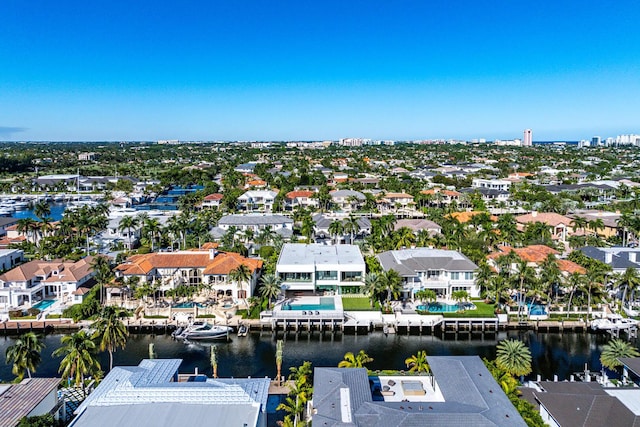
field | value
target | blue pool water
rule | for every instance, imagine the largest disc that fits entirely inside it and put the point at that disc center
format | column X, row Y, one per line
column 438, row 307
column 537, row 310
column 188, row 305
column 44, row 304
column 325, row 304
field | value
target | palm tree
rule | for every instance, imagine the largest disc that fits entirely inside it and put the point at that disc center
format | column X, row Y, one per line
column 630, row 280
column 79, row 357
column 25, row 354
column 335, row 229
column 526, row 277
column 614, row 350
column 392, row 283
column 427, row 295
column 355, row 360
column 405, row 237
column 372, row 286
column 418, row 362
column 575, row 282
column 550, row 274
column 513, row 357
column 279, row 354
column 128, row 222
column 240, row 275
column 151, row 229
column 579, row 223
column 110, row 333
column 42, row 210
column 352, row 226
column 214, row 361
column 270, row 286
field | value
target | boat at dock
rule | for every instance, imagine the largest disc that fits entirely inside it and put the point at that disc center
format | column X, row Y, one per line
column 203, row 330
column 243, row 330
column 613, row 322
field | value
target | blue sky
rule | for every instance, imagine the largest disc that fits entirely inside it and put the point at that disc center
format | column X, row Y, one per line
column 313, row 70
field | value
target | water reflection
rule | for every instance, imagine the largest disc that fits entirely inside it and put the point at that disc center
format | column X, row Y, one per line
column 254, row 355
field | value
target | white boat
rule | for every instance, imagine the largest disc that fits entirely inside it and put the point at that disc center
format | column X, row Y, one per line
column 203, row 330
column 613, row 322
column 243, row 330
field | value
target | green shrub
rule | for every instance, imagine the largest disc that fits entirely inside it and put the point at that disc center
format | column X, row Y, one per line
column 33, row 311
column 16, row 313
column 266, row 252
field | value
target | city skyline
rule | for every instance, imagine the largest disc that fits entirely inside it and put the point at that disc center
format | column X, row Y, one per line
column 317, row 71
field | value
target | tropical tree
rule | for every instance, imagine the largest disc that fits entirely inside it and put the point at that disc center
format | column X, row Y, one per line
column 373, row 285
column 352, row 226
column 279, row 354
column 240, row 275
column 404, row 238
column 79, row 360
column 418, row 362
column 428, row 295
column 575, row 281
column 392, row 283
column 614, row 350
column 629, row 280
column 25, row 354
column 513, row 357
column 102, row 272
column 128, row 222
column 110, row 332
column 355, row 360
column 271, row 286
column 336, row 229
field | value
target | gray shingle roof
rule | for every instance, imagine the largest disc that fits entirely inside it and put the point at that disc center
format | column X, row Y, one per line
column 254, row 219
column 408, row 262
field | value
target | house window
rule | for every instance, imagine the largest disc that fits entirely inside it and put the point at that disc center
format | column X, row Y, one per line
column 326, row 275
column 468, row 275
column 351, row 276
column 295, row 277
column 455, row 275
column 433, row 274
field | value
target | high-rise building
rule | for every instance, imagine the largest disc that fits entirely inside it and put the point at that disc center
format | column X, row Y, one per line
column 596, row 140
column 527, row 141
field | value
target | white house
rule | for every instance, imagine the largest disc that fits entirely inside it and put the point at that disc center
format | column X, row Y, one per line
column 255, row 222
column 496, row 184
column 443, row 271
column 347, row 200
column 9, row 258
column 36, row 280
column 318, row 268
column 257, row 200
column 302, row 198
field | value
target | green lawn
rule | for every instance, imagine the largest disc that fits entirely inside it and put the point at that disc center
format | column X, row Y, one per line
column 358, row 304
column 483, row 310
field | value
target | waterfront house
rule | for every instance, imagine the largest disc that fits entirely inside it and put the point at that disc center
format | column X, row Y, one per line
column 618, row 257
column 155, row 394
column 460, row 391
column 168, row 270
column 257, row 200
column 609, row 221
column 29, row 398
column 560, row 225
column 316, row 268
column 6, row 223
column 494, row 184
column 37, row 280
column 443, row 271
column 535, row 255
column 394, row 202
column 440, row 197
column 322, row 222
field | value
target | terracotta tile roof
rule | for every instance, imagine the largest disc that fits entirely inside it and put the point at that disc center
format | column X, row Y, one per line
column 449, row 193
column 571, row 267
column 68, row 271
column 221, row 264
column 257, row 183
column 549, row 218
column 299, row 193
column 463, row 217
column 533, row 253
column 210, row 245
column 398, row 196
column 214, row 196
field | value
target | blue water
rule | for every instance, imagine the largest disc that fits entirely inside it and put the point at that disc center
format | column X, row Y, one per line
column 537, row 310
column 325, row 304
column 57, row 211
column 44, row 304
column 438, row 307
column 188, row 305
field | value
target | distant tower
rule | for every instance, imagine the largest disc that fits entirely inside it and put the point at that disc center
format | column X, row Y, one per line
column 527, row 141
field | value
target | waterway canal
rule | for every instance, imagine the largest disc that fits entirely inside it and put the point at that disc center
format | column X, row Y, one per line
column 254, row 355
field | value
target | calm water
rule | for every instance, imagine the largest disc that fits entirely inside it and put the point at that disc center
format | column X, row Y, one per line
column 57, row 210
column 561, row 354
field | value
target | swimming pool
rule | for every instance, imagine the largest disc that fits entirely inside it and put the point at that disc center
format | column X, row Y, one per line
column 325, row 304
column 438, row 307
column 188, row 305
column 537, row 310
column 44, row 304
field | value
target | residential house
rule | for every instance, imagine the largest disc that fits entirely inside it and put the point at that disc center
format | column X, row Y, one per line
column 300, row 198
column 489, row 195
column 211, row 201
column 396, row 201
column 257, row 200
column 6, row 222
column 535, row 255
column 318, row 268
column 460, row 391
column 37, row 280
column 495, row 184
column 443, row 271
column 439, row 196
column 168, row 270
column 609, row 221
column 9, row 258
column 154, row 393
column 279, row 224
column 618, row 257
column 347, row 200
column 560, row 226
column 29, row 398
column 418, row 225
column 322, row 222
